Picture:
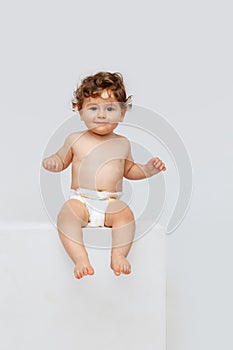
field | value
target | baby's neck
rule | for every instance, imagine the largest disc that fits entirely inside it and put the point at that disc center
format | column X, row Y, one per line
column 99, row 136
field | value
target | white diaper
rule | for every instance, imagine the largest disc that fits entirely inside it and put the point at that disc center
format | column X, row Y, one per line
column 96, row 203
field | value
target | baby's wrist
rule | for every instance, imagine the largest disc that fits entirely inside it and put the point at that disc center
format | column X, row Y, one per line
column 146, row 170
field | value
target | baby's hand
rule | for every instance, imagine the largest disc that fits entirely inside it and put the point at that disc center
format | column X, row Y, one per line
column 53, row 163
column 154, row 166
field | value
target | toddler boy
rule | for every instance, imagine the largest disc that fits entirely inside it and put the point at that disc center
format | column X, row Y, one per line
column 100, row 159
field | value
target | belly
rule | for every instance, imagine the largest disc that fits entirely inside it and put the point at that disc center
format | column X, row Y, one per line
column 110, row 176
column 101, row 177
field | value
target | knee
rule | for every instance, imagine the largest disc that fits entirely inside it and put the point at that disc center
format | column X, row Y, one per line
column 62, row 216
column 124, row 216
column 72, row 210
column 127, row 213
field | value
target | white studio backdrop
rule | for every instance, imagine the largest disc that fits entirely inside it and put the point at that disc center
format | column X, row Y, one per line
column 176, row 59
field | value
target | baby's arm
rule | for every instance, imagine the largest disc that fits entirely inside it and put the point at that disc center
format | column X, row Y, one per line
column 135, row 171
column 62, row 158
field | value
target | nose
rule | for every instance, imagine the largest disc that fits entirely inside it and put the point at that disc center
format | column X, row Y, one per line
column 101, row 114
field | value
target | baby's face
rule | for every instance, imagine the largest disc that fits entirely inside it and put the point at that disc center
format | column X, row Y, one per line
column 102, row 114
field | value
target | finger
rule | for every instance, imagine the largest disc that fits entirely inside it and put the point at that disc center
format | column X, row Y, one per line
column 158, row 164
column 163, row 168
column 156, row 160
column 57, row 167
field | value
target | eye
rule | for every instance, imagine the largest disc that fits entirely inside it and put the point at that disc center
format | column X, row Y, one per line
column 93, row 108
column 109, row 109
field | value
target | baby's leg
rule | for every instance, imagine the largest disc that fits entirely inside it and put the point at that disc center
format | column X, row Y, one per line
column 71, row 218
column 121, row 219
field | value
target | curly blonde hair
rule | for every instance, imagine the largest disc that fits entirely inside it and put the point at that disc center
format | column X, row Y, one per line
column 93, row 86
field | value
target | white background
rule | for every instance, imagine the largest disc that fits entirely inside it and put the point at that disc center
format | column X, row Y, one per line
column 176, row 58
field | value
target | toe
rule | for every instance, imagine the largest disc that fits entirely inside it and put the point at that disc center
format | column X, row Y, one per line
column 85, row 271
column 90, row 270
column 117, row 270
column 122, row 268
column 77, row 275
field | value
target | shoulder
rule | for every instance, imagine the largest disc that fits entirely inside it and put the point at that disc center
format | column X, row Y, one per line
column 124, row 141
column 73, row 138
column 122, row 138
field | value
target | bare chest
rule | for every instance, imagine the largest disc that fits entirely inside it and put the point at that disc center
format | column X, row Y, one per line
column 108, row 153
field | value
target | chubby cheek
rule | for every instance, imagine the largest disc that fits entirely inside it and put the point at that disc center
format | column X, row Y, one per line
column 112, row 126
column 80, row 114
column 89, row 124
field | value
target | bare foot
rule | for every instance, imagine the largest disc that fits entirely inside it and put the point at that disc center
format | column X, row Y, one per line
column 120, row 264
column 83, row 267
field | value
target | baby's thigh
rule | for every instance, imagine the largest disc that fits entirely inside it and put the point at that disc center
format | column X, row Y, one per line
column 117, row 210
column 74, row 209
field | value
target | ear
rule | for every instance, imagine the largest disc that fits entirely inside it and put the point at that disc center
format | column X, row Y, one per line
column 80, row 113
column 123, row 112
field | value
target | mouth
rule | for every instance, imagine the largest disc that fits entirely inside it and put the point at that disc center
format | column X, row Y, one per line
column 101, row 123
